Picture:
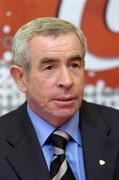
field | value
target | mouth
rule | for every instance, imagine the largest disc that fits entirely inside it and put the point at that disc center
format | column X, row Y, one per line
column 65, row 101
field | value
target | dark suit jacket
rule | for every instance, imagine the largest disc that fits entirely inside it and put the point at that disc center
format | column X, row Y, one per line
column 21, row 156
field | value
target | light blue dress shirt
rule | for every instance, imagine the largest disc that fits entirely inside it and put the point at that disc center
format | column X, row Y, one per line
column 74, row 151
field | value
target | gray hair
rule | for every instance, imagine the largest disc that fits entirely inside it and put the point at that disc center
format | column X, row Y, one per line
column 45, row 26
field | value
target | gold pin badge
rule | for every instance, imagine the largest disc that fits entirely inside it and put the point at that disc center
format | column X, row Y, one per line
column 101, row 162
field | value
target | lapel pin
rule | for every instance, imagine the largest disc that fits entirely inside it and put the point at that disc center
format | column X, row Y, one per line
column 101, row 162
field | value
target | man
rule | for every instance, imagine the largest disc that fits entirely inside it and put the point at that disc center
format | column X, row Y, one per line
column 49, row 68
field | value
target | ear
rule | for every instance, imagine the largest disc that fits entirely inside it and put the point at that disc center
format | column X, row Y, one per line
column 19, row 75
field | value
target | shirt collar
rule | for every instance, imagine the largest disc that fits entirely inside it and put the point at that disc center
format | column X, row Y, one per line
column 43, row 129
column 72, row 127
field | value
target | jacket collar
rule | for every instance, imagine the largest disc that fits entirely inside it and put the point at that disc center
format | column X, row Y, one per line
column 25, row 154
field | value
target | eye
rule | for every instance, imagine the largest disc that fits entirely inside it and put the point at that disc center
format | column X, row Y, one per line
column 75, row 65
column 49, row 67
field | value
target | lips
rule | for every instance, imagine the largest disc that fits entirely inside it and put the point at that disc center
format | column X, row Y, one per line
column 64, row 100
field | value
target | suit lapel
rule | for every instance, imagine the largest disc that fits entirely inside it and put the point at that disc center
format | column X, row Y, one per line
column 25, row 154
column 99, row 149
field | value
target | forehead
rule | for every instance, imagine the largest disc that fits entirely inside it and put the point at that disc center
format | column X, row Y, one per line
column 67, row 44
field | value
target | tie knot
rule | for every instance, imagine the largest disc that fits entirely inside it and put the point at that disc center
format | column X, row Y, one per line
column 59, row 139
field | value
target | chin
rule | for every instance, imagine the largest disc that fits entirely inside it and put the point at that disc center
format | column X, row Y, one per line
column 60, row 121
column 65, row 114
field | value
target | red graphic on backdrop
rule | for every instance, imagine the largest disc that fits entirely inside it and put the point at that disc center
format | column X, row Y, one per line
column 101, row 41
column 14, row 13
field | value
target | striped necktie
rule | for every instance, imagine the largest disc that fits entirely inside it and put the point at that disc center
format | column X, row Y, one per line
column 60, row 169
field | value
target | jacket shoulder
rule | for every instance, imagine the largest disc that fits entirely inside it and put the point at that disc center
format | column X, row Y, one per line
column 7, row 119
column 102, row 114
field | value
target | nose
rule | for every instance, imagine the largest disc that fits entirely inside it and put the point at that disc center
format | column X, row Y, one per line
column 65, row 79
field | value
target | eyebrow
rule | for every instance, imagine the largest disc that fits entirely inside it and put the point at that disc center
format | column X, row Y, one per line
column 76, row 57
column 48, row 60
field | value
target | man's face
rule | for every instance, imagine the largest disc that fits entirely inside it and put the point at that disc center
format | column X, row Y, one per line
column 55, row 83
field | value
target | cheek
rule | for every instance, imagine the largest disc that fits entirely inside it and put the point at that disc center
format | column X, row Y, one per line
column 43, row 88
column 79, row 83
column 79, row 88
